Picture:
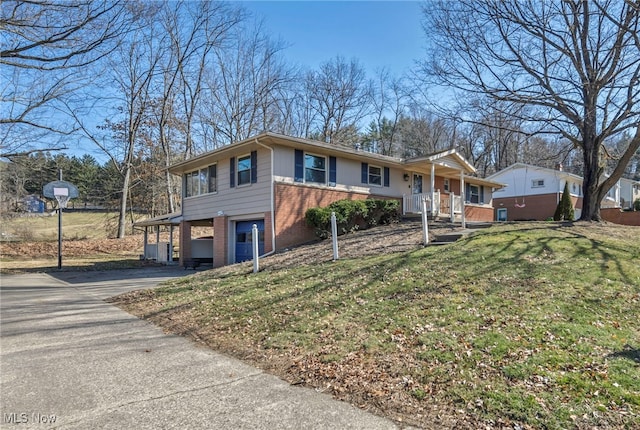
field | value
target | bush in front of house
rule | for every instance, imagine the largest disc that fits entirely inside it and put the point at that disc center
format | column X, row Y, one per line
column 636, row 205
column 381, row 212
column 351, row 215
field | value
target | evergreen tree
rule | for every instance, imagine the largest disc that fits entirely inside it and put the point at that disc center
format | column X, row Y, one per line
column 564, row 210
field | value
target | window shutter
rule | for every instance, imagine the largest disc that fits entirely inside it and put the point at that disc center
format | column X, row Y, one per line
column 232, row 172
column 386, row 177
column 365, row 173
column 481, row 194
column 254, row 167
column 213, row 178
column 299, row 166
column 332, row 171
column 467, row 192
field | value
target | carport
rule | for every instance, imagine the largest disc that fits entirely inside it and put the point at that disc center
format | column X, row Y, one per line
column 159, row 251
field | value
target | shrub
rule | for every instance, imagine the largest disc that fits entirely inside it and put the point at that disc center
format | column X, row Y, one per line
column 636, row 205
column 564, row 210
column 381, row 211
column 351, row 215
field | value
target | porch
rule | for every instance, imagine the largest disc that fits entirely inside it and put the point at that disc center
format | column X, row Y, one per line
column 445, row 205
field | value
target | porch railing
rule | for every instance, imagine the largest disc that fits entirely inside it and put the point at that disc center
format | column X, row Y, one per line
column 412, row 203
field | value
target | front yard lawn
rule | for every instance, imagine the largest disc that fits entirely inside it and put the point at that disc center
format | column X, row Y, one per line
column 534, row 324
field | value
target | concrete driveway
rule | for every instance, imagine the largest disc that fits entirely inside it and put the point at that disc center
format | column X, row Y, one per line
column 70, row 360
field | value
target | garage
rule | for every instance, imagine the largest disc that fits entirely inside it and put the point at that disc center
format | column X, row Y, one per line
column 244, row 241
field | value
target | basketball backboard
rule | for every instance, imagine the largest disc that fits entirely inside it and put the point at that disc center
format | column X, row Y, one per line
column 60, row 188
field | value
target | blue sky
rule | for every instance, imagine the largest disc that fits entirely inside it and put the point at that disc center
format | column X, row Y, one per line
column 377, row 33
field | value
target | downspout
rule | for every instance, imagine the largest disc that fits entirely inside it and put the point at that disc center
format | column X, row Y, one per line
column 273, row 212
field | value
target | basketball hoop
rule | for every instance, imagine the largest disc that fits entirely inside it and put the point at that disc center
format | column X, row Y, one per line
column 62, row 191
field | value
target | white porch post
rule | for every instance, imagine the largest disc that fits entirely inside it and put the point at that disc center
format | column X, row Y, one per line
column 452, row 207
column 171, row 243
column 462, row 199
column 433, row 192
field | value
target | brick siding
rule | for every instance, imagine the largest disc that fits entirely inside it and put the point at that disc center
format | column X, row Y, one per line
column 292, row 202
column 618, row 216
column 478, row 213
column 538, row 207
column 220, row 241
column 185, row 241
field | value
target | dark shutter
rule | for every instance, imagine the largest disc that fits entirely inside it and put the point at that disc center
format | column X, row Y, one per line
column 213, row 178
column 299, row 166
column 332, row 171
column 232, row 172
column 365, row 173
column 254, row 167
column 386, row 177
column 467, row 192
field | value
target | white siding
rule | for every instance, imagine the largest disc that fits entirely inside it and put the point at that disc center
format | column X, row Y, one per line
column 252, row 198
column 520, row 182
column 348, row 174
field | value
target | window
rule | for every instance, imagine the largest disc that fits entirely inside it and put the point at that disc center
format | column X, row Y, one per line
column 315, row 169
column 474, row 194
column 201, row 181
column 537, row 183
column 446, row 184
column 502, row 214
column 244, row 170
column 375, row 175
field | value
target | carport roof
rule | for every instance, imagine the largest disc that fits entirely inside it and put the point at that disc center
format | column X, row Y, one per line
column 173, row 218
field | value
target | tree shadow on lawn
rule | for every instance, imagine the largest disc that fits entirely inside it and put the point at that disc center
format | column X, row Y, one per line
column 628, row 352
column 604, row 252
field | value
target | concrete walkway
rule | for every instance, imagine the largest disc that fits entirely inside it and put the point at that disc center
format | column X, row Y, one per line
column 68, row 356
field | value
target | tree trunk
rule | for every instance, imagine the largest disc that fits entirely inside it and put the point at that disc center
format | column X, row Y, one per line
column 122, row 218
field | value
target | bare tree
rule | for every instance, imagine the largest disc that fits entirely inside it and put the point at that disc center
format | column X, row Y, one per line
column 47, row 47
column 193, row 30
column 575, row 63
column 388, row 104
column 340, row 96
column 244, row 88
column 422, row 132
column 133, row 67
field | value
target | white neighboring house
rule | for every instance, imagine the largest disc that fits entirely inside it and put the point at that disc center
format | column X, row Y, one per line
column 629, row 192
column 532, row 192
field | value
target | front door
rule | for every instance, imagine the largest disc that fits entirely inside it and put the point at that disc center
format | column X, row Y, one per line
column 244, row 248
column 417, row 184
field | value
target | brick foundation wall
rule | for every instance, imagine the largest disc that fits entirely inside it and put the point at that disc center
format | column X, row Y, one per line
column 618, row 216
column 292, row 201
column 220, row 241
column 268, row 233
column 478, row 214
column 185, row 241
column 537, row 207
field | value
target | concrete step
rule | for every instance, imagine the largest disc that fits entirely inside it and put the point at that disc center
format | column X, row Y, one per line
column 447, row 237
